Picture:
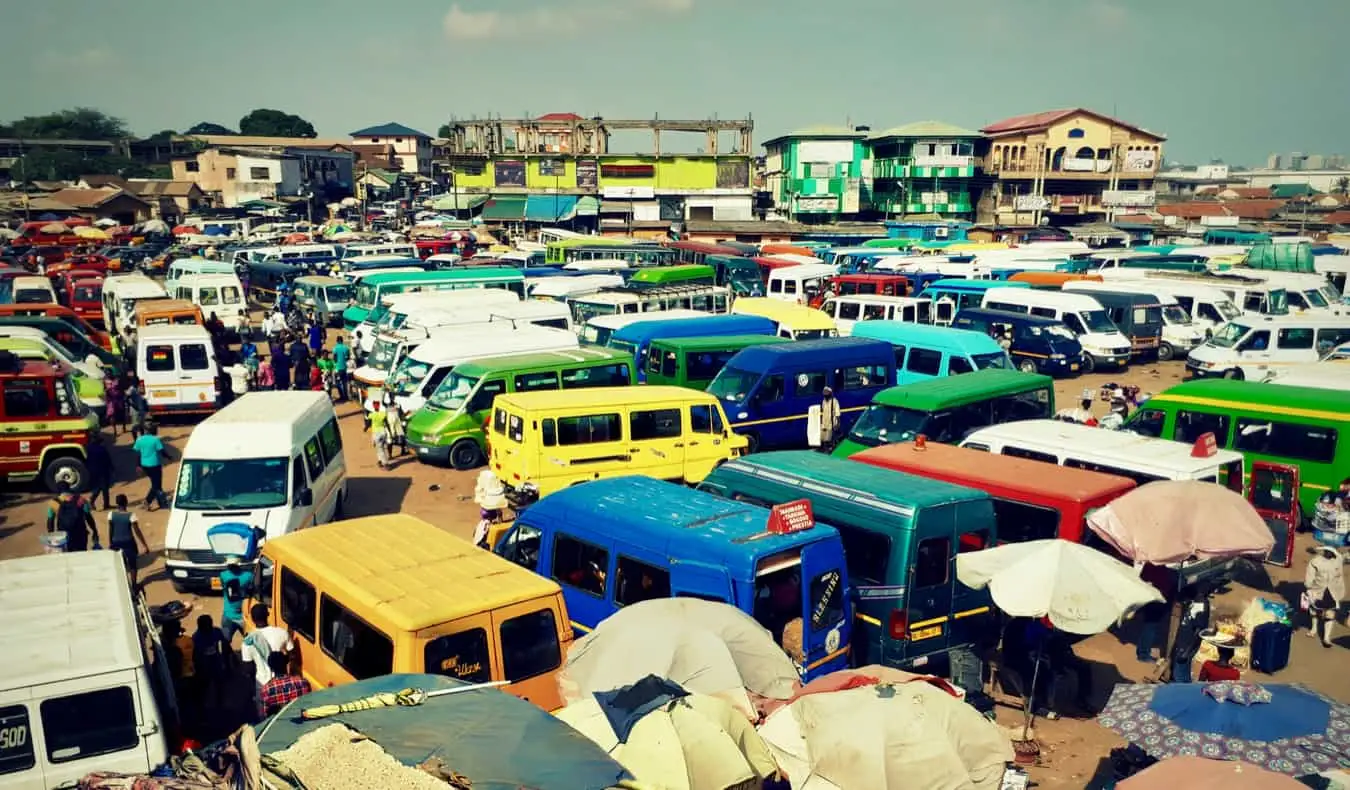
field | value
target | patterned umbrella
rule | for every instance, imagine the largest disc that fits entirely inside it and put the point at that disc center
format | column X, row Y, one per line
column 1284, row 728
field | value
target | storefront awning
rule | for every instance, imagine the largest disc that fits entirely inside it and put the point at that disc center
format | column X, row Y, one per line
column 454, row 202
column 588, row 206
column 505, row 208
column 550, row 208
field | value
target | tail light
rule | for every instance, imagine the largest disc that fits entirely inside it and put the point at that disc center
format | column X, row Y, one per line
column 899, row 624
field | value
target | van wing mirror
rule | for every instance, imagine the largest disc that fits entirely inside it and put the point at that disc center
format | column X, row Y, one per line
column 305, row 498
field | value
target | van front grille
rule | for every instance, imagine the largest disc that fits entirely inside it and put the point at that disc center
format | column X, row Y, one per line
column 204, row 557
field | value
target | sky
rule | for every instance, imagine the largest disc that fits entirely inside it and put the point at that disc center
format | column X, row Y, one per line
column 1222, row 79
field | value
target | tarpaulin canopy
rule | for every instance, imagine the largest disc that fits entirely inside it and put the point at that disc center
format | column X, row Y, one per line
column 550, row 208
column 588, row 206
column 505, row 208
column 454, row 202
column 495, row 739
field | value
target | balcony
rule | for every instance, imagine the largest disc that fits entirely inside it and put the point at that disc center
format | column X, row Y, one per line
column 1054, row 204
column 1071, row 169
column 925, row 203
column 924, row 167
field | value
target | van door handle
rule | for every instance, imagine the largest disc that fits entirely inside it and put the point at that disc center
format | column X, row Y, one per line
column 634, row 450
column 680, row 444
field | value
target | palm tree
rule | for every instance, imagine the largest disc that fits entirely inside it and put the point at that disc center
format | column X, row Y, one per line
column 1342, row 186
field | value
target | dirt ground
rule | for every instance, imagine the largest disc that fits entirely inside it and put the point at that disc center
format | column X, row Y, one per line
column 1072, row 750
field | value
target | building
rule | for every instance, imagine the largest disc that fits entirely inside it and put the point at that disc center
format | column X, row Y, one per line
column 229, row 176
column 1067, row 167
column 411, row 148
column 514, row 165
column 927, row 168
column 111, row 203
column 816, row 174
column 169, row 200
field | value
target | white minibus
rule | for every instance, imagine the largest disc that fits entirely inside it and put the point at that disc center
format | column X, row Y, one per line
column 1251, row 346
column 1104, row 347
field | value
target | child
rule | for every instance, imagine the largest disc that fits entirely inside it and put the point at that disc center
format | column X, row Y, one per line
column 124, row 530
column 316, row 379
column 1222, row 669
column 210, row 652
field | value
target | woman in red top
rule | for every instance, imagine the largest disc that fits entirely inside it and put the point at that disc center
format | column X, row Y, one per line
column 1222, row 669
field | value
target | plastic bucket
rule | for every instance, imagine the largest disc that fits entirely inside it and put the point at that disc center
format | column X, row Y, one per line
column 53, row 542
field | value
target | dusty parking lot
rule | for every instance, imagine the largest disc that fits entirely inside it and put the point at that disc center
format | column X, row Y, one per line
column 1072, row 749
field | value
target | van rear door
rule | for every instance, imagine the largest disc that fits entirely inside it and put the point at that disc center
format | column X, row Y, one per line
column 827, row 616
column 529, row 641
column 929, row 597
column 1274, row 494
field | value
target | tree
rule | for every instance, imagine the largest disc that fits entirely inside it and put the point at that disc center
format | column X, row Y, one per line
column 60, row 164
column 163, row 134
column 206, row 127
column 275, row 123
column 1342, row 186
column 444, row 131
column 81, row 123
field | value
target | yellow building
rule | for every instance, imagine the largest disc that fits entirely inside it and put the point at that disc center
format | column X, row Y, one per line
column 1068, row 166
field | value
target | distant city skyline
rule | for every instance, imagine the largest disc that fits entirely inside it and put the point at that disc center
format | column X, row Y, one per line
column 1191, row 71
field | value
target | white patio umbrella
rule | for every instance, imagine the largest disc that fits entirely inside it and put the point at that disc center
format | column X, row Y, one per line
column 106, row 223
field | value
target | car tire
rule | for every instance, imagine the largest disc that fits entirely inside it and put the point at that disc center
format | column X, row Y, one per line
column 1026, row 366
column 1234, row 374
column 65, row 473
column 1089, row 364
column 180, row 588
column 466, row 455
column 1166, row 353
column 752, row 443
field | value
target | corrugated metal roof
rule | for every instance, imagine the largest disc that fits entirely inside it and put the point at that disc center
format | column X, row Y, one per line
column 390, row 129
column 550, row 208
column 616, row 207
column 926, row 129
column 505, row 207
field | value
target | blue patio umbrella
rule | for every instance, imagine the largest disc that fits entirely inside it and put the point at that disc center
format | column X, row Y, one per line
column 1286, row 728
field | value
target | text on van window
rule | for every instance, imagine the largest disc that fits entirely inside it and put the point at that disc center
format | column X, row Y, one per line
column 16, row 740
column 463, row 656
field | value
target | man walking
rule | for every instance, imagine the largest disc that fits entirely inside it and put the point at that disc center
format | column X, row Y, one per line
column 236, row 585
column 341, row 355
column 285, row 686
column 829, row 420
column 99, row 463
column 150, row 451
column 70, row 514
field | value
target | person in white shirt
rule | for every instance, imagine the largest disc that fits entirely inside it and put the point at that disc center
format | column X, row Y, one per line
column 239, row 374
column 262, row 642
column 1082, row 414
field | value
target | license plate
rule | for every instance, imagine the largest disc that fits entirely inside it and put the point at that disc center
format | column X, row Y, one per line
column 215, row 582
column 163, row 393
column 1073, row 367
column 925, row 633
column 1123, row 362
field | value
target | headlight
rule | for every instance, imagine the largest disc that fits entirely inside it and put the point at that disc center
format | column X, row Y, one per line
column 1057, row 356
column 175, row 555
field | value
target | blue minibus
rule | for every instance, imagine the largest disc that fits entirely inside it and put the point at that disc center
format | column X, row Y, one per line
column 1035, row 344
column 375, row 264
column 925, row 352
column 768, row 391
column 960, row 294
column 617, row 541
column 636, row 338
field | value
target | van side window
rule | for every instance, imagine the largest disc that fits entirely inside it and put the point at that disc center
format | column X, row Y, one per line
column 463, row 656
column 638, row 581
column 1191, row 425
column 1033, row 405
column 827, row 599
column 158, row 358
column 529, row 382
column 297, row 477
column 1019, row 522
column 984, row 448
column 192, row 356
column 1043, row 312
column 1138, row 477
column 1295, row 338
column 86, row 725
column 654, row 424
column 589, row 429
column 811, row 383
column 899, row 357
column 700, row 419
column 1285, row 440
column 931, row 561
column 530, row 645
column 861, row 377
column 357, row 646
column 924, row 361
column 298, row 602
column 957, row 365
column 616, row 375
column 1148, row 422
column 654, row 360
column 1020, row 452
column 482, row 399
column 314, row 457
column 580, row 565
column 331, row 439
column 1328, row 339
column 26, row 398
column 1256, row 341
column 867, row 554
column 16, row 742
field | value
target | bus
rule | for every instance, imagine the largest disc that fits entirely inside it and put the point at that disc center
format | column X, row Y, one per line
column 694, row 362
column 698, row 251
column 620, row 301
column 372, row 289
column 599, row 248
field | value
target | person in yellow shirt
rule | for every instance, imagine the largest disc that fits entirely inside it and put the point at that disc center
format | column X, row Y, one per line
column 379, row 433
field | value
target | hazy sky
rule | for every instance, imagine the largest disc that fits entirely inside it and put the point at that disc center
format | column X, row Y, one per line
column 1236, row 79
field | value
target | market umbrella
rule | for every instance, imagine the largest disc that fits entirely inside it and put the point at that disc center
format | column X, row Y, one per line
column 8, row 233
column 296, row 238
column 1288, row 729
column 1197, row 773
column 155, row 226
column 1081, row 590
column 1176, row 520
column 91, row 233
column 886, row 736
column 106, row 222
column 216, row 230
column 705, row 646
column 54, row 227
column 673, row 739
column 184, row 230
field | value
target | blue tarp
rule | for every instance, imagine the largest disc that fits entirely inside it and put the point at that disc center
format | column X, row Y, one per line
column 550, row 208
column 498, row 741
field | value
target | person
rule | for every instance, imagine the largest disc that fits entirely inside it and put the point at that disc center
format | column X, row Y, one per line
column 1082, row 414
column 394, row 423
column 829, row 420
column 1323, row 590
column 300, row 360
column 236, row 584
column 1221, row 669
column 379, row 434
column 1115, row 419
column 1194, row 622
column 491, row 499
column 284, row 687
column 239, row 375
column 281, row 368
column 342, row 354
column 70, row 514
column 262, row 644
column 115, row 408
column 210, row 657
column 316, row 378
column 1333, row 509
column 273, row 324
column 179, row 658
column 124, row 530
column 264, row 377
column 151, row 453
column 139, row 406
column 215, row 327
column 100, row 465
column 317, row 336
column 1153, row 615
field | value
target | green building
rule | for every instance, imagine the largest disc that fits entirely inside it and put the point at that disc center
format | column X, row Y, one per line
column 820, row 174
column 927, row 168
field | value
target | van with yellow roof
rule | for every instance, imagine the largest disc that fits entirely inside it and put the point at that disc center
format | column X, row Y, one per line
column 373, row 596
column 794, row 321
column 541, row 442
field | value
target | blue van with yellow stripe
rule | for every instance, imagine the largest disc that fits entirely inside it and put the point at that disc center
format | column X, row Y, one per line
column 768, row 391
column 615, row 542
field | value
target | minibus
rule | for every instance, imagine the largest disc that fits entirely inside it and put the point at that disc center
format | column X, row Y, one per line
column 621, row 301
column 221, row 294
column 600, row 330
column 794, row 321
column 1249, row 294
column 396, row 310
column 945, row 410
column 561, row 289
column 1033, row 500
column 925, row 352
column 680, row 274
column 901, row 534
column 1051, row 281
column 872, row 284
column 71, row 710
column 1034, row 344
column 1141, row 458
column 738, row 273
column 773, row 393
column 616, row 542
column 88, row 380
column 1251, row 346
column 1104, row 347
column 391, row 593
column 1180, row 333
column 120, row 295
column 378, row 250
column 601, row 248
column 265, row 279
column 105, row 340
column 847, row 311
column 177, row 365
column 185, row 266
column 1139, row 318
column 699, row 251
column 541, row 442
column 637, row 337
column 693, row 362
column 75, row 342
column 1296, row 427
column 273, row 460
column 32, row 290
column 1309, row 293
column 374, row 288
column 449, row 428
column 800, row 284
column 951, row 296
column 1321, row 375
column 420, row 371
column 84, row 295
column 163, row 312
column 324, row 296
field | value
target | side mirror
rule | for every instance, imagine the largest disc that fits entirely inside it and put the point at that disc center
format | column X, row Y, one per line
column 305, row 498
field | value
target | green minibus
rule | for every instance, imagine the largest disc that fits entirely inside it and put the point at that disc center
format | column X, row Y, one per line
column 682, row 274
column 371, row 290
column 946, row 409
column 1296, row 427
column 449, row 429
column 693, row 362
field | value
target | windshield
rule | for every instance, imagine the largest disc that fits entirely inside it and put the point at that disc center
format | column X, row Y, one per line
column 733, row 384
column 623, row 345
column 454, row 392
column 88, row 293
column 1227, row 309
column 1277, row 301
column 812, row 334
column 997, row 361
column 885, row 424
column 382, row 355
column 1315, row 298
column 745, row 281
column 365, row 296
column 239, row 483
column 336, row 294
column 32, row 296
column 1173, row 314
column 1097, row 321
column 1229, row 334
column 408, row 376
